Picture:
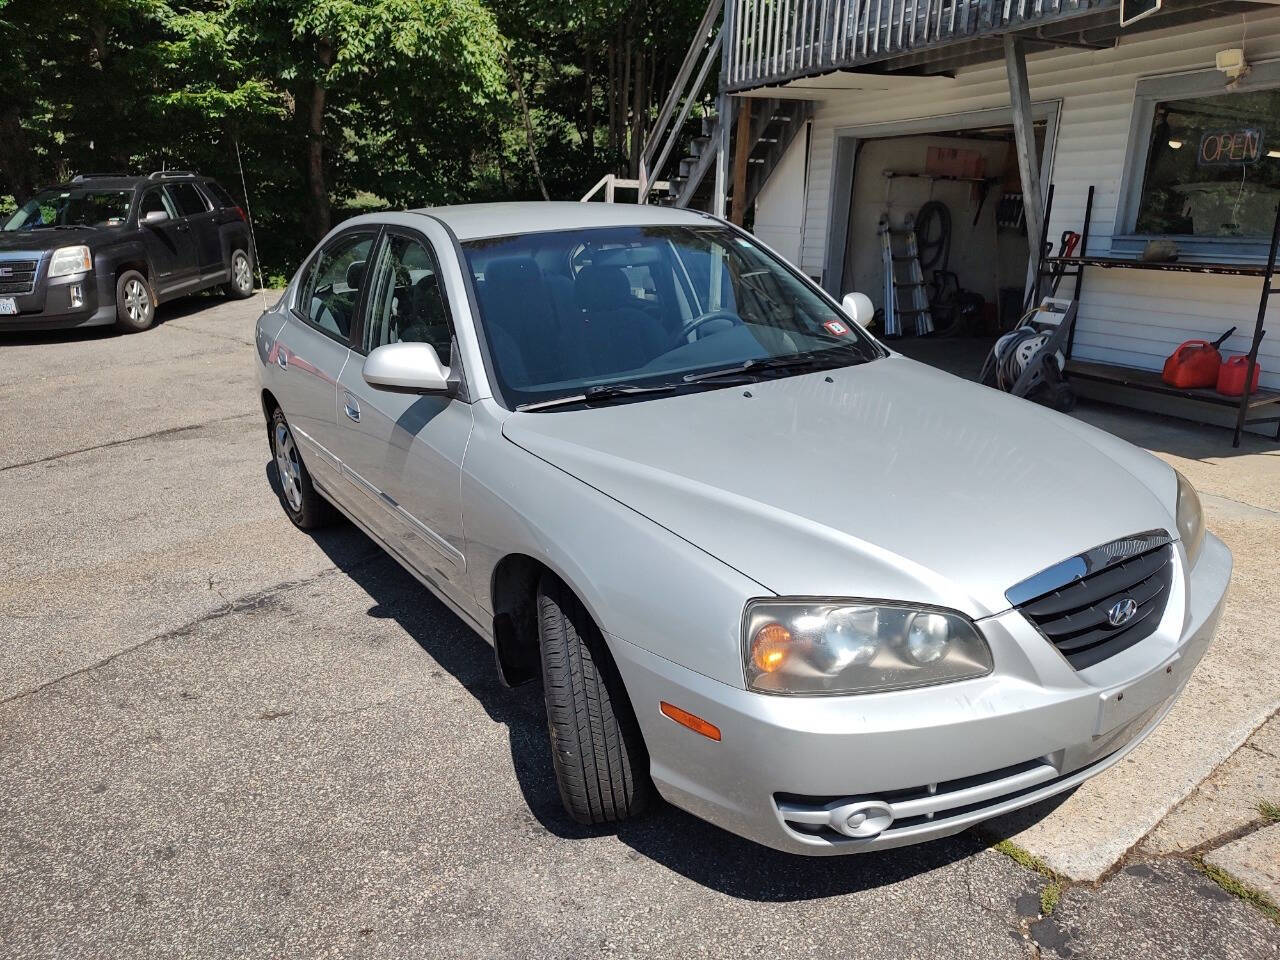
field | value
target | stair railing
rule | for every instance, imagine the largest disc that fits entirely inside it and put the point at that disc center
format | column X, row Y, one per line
column 663, row 136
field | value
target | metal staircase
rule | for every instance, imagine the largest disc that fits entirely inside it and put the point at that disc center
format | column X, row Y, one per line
column 691, row 118
column 774, row 126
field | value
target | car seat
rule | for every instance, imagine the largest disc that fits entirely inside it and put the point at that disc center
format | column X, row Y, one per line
column 616, row 334
column 519, row 305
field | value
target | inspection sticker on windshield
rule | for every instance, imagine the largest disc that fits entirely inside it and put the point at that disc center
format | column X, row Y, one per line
column 836, row 328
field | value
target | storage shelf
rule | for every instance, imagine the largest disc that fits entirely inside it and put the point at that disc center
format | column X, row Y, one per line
column 1171, row 266
column 1150, row 381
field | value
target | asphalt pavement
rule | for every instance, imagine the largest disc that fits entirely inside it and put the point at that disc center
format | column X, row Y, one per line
column 221, row 737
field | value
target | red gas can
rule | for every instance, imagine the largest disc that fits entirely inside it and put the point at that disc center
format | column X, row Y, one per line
column 1232, row 375
column 1194, row 364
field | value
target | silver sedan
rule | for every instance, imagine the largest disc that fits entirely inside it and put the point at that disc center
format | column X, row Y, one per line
column 817, row 593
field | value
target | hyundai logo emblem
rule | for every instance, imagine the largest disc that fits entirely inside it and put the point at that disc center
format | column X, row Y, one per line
column 1122, row 612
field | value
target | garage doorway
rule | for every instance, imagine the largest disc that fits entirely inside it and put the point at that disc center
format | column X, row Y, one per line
column 956, row 179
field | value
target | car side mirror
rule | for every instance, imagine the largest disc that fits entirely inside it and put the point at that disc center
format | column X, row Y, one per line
column 152, row 217
column 407, row 368
column 859, row 307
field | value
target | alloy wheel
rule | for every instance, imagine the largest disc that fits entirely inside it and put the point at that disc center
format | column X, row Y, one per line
column 137, row 302
column 289, row 467
column 242, row 272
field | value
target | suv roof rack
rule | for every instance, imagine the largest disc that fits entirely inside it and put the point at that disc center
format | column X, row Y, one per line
column 173, row 175
column 81, row 177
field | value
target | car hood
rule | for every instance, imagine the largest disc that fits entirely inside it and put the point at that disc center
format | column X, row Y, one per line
column 43, row 240
column 888, row 480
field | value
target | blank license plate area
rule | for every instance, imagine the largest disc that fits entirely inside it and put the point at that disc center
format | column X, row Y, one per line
column 1118, row 707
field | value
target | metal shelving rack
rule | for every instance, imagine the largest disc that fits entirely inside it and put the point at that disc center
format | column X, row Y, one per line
column 1252, row 408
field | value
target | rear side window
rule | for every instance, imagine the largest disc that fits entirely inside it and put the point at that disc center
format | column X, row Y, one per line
column 331, row 293
column 187, row 199
column 219, row 196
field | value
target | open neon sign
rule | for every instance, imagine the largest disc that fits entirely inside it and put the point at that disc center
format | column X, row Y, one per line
column 1220, row 148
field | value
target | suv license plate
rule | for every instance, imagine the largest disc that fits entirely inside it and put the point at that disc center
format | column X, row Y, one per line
column 8, row 306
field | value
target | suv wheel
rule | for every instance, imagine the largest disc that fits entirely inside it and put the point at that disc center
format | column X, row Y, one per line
column 304, row 505
column 135, row 308
column 241, row 285
column 601, row 765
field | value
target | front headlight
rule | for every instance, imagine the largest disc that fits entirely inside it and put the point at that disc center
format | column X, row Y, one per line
column 69, row 260
column 852, row 646
column 1190, row 519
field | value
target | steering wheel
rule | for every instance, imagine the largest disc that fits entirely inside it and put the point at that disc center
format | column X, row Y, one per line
column 691, row 325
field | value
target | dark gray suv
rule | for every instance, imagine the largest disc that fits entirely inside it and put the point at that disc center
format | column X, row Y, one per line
column 108, row 249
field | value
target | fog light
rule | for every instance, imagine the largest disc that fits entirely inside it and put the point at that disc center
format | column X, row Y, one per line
column 77, row 295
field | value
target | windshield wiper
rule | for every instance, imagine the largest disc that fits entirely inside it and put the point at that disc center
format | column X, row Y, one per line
column 796, row 361
column 601, row 393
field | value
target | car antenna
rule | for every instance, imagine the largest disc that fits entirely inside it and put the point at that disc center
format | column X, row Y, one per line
column 248, row 209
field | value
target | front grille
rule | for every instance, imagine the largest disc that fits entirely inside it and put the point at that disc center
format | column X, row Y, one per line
column 17, row 276
column 1075, row 617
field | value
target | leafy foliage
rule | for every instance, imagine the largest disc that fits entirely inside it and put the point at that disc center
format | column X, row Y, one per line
column 335, row 106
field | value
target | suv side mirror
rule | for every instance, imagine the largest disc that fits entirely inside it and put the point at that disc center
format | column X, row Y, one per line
column 406, row 368
column 859, row 307
column 152, row 217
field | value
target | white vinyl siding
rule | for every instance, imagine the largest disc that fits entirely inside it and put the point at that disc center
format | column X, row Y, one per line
column 1128, row 317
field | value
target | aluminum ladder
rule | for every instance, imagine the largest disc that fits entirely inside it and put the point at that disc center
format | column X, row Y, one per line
column 905, row 297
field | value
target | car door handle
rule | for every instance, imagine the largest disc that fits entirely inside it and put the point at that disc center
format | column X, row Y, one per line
column 352, row 408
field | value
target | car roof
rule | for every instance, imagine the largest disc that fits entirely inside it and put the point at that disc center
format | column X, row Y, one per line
column 100, row 181
column 473, row 221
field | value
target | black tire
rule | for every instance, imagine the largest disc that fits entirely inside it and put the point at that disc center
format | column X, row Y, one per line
column 601, row 765
column 135, row 303
column 239, row 285
column 299, row 497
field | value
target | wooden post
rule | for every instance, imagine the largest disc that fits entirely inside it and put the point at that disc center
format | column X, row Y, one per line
column 741, row 156
column 724, row 112
column 1024, row 134
column 725, row 117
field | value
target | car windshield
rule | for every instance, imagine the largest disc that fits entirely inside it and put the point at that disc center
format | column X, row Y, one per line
column 72, row 208
column 625, row 312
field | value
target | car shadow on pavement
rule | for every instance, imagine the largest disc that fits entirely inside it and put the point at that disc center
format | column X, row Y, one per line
column 691, row 847
column 170, row 310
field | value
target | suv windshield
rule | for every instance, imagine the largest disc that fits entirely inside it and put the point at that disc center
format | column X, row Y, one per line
column 627, row 312
column 72, row 208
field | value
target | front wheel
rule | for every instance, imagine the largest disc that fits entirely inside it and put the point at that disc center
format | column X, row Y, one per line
column 601, row 765
column 241, row 285
column 299, row 497
column 135, row 307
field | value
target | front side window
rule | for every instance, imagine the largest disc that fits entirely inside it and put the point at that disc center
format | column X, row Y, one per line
column 408, row 304
column 155, row 200
column 331, row 293
column 673, row 308
column 1213, row 167
column 72, row 208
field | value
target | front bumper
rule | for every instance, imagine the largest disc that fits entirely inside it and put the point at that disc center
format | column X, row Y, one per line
column 63, row 303
column 941, row 758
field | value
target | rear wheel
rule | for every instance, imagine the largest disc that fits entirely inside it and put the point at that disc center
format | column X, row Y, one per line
column 600, row 762
column 135, row 307
column 304, row 505
column 240, row 286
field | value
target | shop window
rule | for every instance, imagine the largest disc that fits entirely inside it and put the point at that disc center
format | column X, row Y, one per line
column 1204, row 165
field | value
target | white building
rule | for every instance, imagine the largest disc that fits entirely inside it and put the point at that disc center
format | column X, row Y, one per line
column 1174, row 148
